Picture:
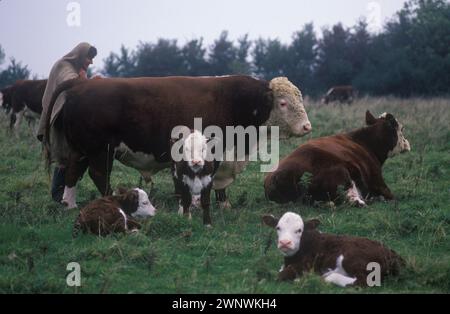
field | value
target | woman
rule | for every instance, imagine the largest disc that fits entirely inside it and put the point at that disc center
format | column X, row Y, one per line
column 73, row 65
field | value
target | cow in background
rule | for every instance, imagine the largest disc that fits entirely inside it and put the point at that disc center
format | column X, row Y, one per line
column 343, row 94
column 23, row 100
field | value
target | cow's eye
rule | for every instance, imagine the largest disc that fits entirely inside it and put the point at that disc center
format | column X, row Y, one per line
column 145, row 203
column 299, row 231
column 278, row 228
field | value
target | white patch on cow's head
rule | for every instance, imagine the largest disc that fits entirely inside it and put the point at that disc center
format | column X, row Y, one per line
column 288, row 112
column 402, row 144
column 289, row 229
column 145, row 207
column 194, row 150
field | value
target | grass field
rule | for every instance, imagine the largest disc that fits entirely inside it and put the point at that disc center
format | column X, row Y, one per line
column 238, row 255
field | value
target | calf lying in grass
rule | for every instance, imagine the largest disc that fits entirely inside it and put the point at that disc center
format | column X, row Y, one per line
column 341, row 260
column 350, row 160
column 114, row 213
column 193, row 175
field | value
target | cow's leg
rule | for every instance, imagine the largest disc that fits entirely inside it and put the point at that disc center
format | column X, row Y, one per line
column 222, row 199
column 205, row 200
column 73, row 173
column 354, row 196
column 18, row 121
column 326, row 185
column 379, row 187
column 185, row 204
column 12, row 120
column 100, row 167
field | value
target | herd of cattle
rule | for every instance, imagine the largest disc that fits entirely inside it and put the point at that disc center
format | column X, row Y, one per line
column 131, row 119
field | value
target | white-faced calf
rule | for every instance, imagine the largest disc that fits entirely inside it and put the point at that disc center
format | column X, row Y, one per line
column 114, row 213
column 341, row 260
column 193, row 175
column 350, row 160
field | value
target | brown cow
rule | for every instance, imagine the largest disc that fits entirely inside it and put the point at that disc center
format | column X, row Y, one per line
column 24, row 98
column 140, row 113
column 351, row 160
column 339, row 259
column 114, row 213
column 343, row 94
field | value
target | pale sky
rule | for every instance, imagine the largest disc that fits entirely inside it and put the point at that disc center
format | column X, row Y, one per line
column 37, row 32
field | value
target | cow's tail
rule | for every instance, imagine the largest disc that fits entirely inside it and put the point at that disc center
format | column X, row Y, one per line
column 46, row 140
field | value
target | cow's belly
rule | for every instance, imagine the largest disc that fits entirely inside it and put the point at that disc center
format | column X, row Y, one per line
column 146, row 164
column 227, row 173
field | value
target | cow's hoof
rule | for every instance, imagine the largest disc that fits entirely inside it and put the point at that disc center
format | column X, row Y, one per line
column 225, row 205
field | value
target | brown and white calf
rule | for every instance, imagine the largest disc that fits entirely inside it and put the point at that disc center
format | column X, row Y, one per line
column 350, row 160
column 193, row 175
column 114, row 213
column 341, row 260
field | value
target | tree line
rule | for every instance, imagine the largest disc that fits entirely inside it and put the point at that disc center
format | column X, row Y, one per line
column 410, row 56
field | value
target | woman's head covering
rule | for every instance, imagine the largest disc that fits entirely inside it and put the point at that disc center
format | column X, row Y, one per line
column 79, row 54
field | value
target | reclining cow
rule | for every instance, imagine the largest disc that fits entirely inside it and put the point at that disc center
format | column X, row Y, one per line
column 341, row 260
column 102, row 117
column 114, row 213
column 351, row 160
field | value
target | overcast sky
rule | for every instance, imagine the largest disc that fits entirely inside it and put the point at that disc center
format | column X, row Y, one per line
column 39, row 32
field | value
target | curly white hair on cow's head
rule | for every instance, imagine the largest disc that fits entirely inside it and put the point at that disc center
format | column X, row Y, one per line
column 288, row 112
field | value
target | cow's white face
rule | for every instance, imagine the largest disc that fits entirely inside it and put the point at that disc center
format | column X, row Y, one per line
column 194, row 150
column 145, row 207
column 402, row 145
column 289, row 229
column 289, row 112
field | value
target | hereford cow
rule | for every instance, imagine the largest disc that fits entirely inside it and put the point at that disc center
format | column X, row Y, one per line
column 193, row 175
column 25, row 100
column 343, row 94
column 114, row 213
column 351, row 160
column 341, row 260
column 132, row 119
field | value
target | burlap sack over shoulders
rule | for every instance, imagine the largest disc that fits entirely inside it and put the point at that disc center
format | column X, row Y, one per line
column 64, row 69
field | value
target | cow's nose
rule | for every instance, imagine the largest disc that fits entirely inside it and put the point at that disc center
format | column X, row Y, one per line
column 196, row 162
column 284, row 243
column 307, row 127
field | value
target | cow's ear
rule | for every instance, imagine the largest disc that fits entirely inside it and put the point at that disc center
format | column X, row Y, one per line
column 312, row 224
column 390, row 118
column 130, row 201
column 270, row 220
column 370, row 119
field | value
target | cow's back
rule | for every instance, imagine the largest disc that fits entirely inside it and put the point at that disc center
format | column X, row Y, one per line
column 142, row 112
